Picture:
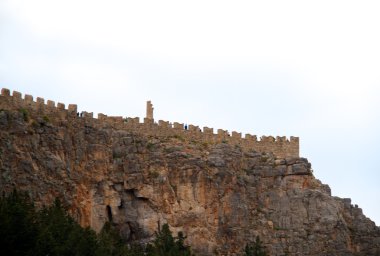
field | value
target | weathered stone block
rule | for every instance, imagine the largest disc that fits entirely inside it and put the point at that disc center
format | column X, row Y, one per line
column 16, row 95
column 148, row 120
column 72, row 108
column 51, row 104
column 207, row 130
column 236, row 135
column 216, row 161
column 178, row 126
column 40, row 101
column 28, row 98
column 87, row 114
column 267, row 139
column 280, row 162
column 251, row 137
column 163, row 124
column 5, row 92
column 291, row 160
column 280, row 169
column 222, row 132
column 298, row 169
column 60, row 106
column 294, row 139
column 282, row 139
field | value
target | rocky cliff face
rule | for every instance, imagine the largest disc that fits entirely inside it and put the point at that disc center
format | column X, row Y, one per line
column 219, row 195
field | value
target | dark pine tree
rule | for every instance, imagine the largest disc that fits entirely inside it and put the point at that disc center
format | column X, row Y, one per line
column 17, row 229
column 166, row 245
column 255, row 249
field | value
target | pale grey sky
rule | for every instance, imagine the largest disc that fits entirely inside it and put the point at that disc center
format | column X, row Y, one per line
column 301, row 68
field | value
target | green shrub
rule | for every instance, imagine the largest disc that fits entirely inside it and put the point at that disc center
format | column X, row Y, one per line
column 46, row 119
column 25, row 114
column 154, row 174
column 150, row 146
column 179, row 137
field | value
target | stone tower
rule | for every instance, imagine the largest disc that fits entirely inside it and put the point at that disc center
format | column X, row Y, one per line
column 149, row 110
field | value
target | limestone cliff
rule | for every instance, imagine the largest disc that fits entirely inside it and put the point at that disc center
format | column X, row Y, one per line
column 220, row 195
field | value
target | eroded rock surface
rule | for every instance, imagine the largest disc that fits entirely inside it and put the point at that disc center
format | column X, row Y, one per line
column 219, row 195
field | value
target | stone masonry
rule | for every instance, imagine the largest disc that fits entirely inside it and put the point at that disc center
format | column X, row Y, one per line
column 280, row 146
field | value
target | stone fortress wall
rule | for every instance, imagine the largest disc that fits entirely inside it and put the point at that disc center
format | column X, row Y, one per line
column 280, row 146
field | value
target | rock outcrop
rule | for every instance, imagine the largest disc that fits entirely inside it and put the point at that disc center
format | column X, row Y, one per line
column 220, row 195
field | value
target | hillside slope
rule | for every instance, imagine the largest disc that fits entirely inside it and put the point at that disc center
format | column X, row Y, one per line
column 220, row 195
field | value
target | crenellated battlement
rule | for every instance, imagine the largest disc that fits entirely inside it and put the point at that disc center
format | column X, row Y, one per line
column 280, row 146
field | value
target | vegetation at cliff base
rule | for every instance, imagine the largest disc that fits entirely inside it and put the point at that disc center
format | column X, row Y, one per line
column 167, row 245
column 255, row 249
column 51, row 231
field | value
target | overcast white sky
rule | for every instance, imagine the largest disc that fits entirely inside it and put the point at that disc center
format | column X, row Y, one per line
column 301, row 68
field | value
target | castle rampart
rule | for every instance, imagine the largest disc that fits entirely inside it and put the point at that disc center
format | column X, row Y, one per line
column 280, row 146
